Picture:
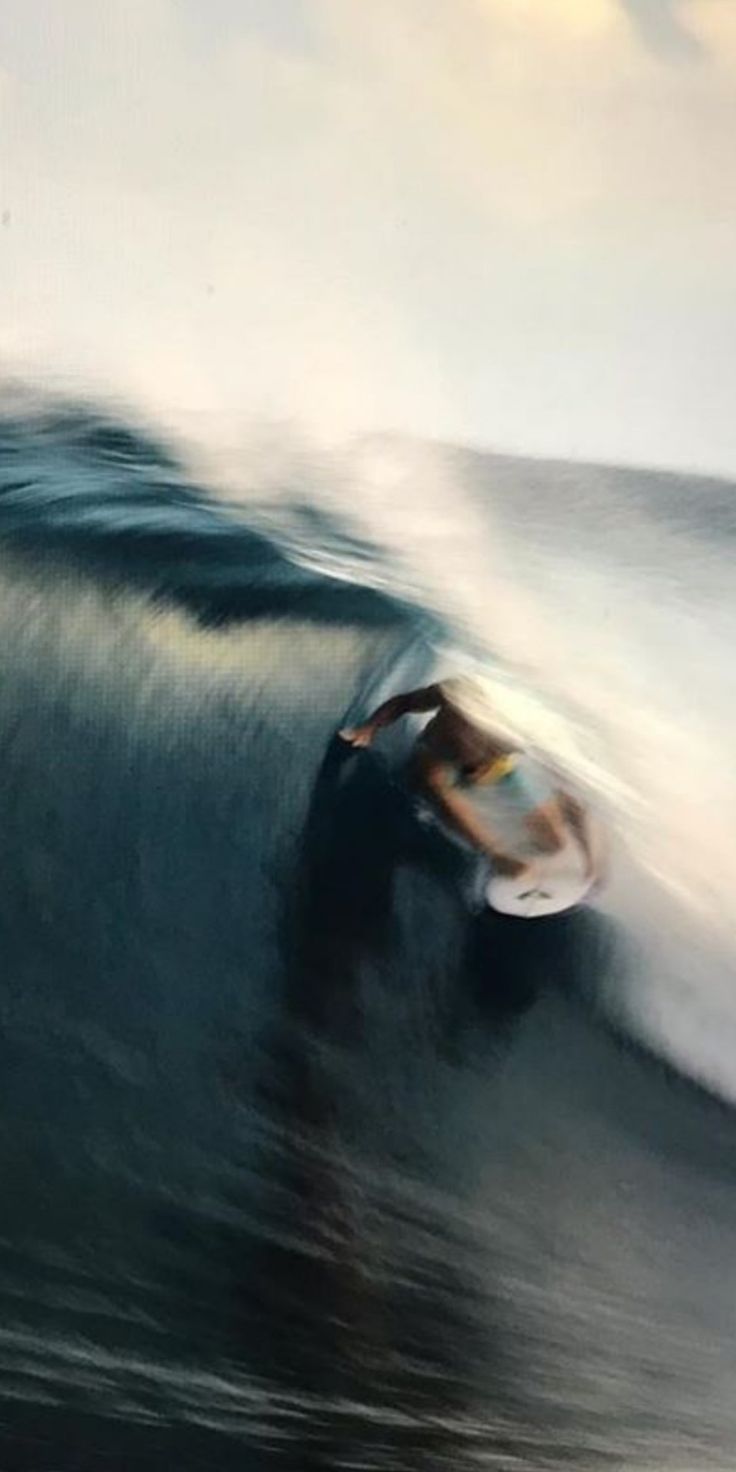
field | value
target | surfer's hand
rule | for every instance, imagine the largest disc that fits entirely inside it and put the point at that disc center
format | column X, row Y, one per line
column 358, row 736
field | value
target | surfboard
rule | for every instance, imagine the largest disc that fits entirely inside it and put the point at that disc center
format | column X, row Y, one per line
column 552, row 885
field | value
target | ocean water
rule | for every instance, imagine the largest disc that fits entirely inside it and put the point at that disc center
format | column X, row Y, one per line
column 303, row 1167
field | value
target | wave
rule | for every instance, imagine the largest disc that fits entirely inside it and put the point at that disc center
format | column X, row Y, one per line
column 299, row 1164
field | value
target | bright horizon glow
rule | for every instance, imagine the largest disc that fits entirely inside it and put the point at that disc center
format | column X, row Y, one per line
column 506, row 225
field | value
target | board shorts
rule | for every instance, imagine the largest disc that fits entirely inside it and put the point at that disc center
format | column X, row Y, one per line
column 525, row 788
column 504, row 804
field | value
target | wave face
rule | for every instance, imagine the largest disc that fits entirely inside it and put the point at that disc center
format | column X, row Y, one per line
column 303, row 1169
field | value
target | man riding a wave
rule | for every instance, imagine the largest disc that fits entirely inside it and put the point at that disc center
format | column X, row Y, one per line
column 469, row 771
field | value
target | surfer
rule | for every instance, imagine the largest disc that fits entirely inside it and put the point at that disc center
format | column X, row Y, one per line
column 462, row 757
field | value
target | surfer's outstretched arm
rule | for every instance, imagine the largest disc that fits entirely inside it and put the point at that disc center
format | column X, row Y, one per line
column 428, row 699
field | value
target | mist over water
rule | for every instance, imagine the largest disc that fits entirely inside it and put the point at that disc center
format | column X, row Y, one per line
column 304, row 1167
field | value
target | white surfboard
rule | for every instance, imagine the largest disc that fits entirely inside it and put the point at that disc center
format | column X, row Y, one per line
column 551, row 885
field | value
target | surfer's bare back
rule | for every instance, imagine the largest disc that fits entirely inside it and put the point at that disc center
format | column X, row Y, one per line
column 455, row 754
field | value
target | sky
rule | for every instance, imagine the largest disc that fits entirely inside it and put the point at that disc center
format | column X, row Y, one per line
column 508, row 223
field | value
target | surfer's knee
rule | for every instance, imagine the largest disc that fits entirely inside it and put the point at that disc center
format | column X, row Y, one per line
column 548, row 830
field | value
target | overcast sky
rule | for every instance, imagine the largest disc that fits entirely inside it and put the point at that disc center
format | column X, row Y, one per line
column 507, row 222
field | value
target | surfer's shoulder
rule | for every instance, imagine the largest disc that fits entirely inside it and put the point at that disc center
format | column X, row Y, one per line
column 450, row 691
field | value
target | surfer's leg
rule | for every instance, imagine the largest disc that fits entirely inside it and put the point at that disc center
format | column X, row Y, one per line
column 547, row 827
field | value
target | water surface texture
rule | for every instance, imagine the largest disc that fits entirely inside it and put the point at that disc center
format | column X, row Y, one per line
column 302, row 1167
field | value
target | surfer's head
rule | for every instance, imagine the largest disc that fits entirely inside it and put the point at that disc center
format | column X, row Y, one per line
column 472, row 699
